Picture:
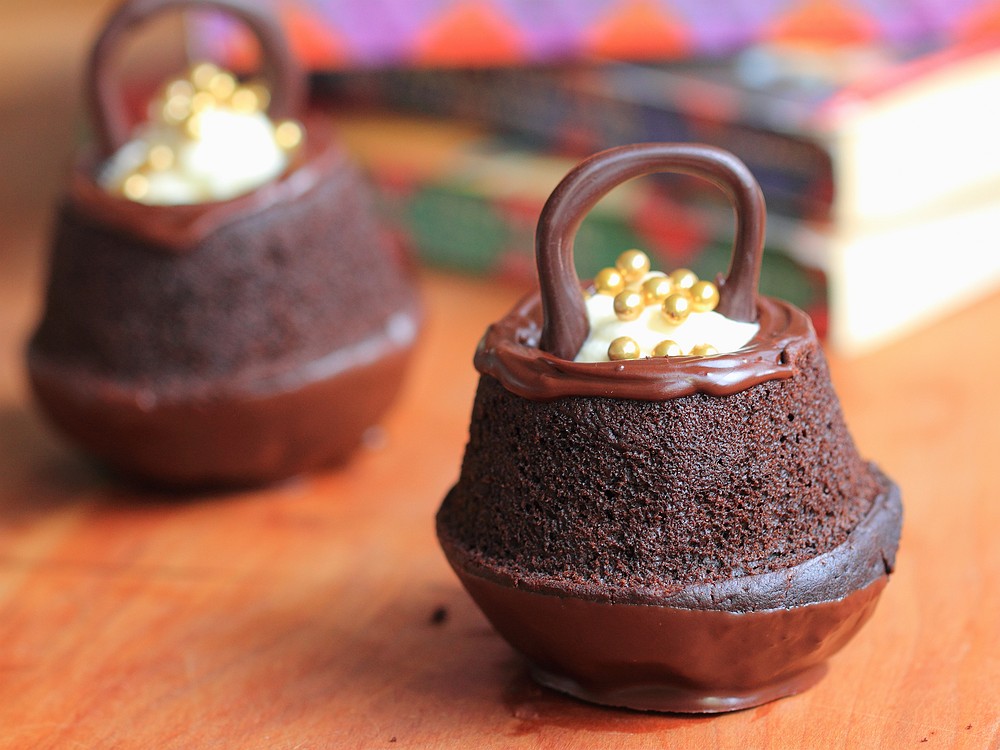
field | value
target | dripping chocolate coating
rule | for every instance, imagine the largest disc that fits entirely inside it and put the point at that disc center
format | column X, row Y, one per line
column 510, row 353
column 180, row 229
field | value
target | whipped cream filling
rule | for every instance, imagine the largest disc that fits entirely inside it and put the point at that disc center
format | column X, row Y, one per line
column 234, row 153
column 651, row 327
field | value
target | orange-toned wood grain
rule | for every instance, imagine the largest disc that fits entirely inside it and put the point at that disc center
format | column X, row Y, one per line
column 302, row 616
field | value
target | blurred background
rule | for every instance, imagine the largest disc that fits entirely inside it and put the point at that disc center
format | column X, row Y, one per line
column 872, row 127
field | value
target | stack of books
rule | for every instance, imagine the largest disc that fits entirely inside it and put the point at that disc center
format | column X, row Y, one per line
column 871, row 129
column 462, row 197
column 878, row 185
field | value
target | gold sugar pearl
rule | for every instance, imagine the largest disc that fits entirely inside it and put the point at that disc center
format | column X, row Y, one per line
column 628, row 304
column 222, row 85
column 704, row 296
column 176, row 109
column 668, row 348
column 135, row 187
column 288, row 134
column 180, row 87
column 192, row 127
column 677, row 307
column 245, row 100
column 656, row 288
column 160, row 157
column 263, row 95
column 703, row 350
column 683, row 278
column 201, row 75
column 633, row 265
column 202, row 101
column 609, row 281
column 623, row 347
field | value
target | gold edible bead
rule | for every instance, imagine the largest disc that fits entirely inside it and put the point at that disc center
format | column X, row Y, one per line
column 192, row 126
column 201, row 101
column 176, row 109
column 676, row 307
column 609, row 281
column 222, row 85
column 623, row 347
column 179, row 87
column 704, row 296
column 262, row 93
column 160, row 157
column 135, row 187
column 628, row 305
column 668, row 348
column 201, row 74
column 245, row 100
column 288, row 134
column 703, row 350
column 683, row 278
column 656, row 288
column 633, row 265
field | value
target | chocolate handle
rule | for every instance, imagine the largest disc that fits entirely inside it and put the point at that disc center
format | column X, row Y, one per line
column 565, row 325
column 104, row 97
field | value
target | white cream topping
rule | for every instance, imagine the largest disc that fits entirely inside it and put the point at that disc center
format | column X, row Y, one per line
column 652, row 327
column 234, row 153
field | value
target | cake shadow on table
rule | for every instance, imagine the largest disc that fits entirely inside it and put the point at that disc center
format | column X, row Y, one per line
column 41, row 473
column 45, row 474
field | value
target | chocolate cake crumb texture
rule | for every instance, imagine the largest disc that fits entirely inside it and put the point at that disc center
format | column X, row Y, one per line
column 279, row 288
column 620, row 493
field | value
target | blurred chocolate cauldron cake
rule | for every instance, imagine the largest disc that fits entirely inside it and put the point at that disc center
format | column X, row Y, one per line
column 660, row 505
column 221, row 307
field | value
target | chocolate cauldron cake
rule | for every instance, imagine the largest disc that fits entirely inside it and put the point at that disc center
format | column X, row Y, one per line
column 227, row 342
column 686, row 533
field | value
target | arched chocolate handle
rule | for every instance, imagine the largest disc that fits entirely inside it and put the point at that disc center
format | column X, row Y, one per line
column 565, row 316
column 104, row 97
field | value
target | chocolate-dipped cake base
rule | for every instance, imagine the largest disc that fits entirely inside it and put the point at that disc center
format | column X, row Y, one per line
column 232, row 432
column 704, row 648
column 702, row 553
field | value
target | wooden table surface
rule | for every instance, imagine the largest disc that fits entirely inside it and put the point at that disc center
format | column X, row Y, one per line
column 304, row 615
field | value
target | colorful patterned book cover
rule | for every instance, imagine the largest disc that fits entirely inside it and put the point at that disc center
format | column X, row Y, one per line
column 460, row 198
column 794, row 116
column 582, row 109
column 338, row 34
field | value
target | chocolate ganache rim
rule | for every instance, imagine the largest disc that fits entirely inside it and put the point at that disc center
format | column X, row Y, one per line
column 866, row 555
column 180, row 228
column 510, row 353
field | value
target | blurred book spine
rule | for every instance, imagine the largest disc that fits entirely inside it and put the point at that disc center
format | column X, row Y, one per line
column 461, row 197
column 856, row 151
column 870, row 126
